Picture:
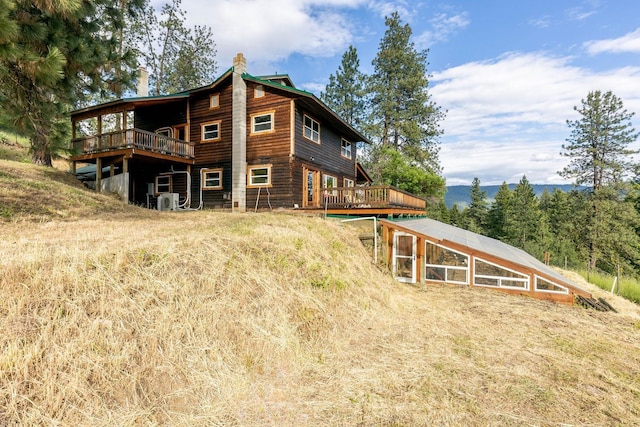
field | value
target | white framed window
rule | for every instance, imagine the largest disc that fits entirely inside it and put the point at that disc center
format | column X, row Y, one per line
column 329, row 181
column 211, row 131
column 211, row 179
column 262, row 122
column 496, row 276
column 443, row 264
column 349, row 182
column 258, row 92
column 163, row 184
column 345, row 148
column 311, row 129
column 544, row 285
column 214, row 101
column 259, row 176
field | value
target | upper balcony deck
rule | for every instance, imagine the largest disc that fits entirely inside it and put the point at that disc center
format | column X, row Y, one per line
column 148, row 143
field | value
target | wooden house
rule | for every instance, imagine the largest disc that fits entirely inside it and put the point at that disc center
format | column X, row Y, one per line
column 240, row 143
column 428, row 251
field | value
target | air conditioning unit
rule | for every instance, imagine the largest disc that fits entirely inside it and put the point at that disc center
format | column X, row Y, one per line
column 168, row 202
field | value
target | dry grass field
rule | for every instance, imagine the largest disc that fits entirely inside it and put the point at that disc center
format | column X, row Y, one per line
column 116, row 316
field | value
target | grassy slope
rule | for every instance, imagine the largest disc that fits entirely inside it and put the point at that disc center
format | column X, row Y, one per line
column 118, row 316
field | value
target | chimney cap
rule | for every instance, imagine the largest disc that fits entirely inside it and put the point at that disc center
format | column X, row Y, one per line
column 240, row 63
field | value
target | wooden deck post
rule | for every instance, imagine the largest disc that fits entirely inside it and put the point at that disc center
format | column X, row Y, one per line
column 98, row 175
column 125, row 184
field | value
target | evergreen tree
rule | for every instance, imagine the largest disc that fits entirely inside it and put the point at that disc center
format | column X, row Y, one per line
column 601, row 159
column 437, row 209
column 478, row 208
column 455, row 216
column 497, row 216
column 599, row 142
column 403, row 115
column 178, row 58
column 54, row 54
column 523, row 215
column 345, row 93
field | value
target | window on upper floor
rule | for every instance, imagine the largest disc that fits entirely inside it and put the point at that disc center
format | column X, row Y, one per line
column 214, row 101
column 311, row 129
column 262, row 122
column 349, row 182
column 211, row 131
column 345, row 148
column 258, row 92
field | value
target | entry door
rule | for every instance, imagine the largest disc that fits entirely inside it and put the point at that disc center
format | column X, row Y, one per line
column 404, row 257
column 311, row 188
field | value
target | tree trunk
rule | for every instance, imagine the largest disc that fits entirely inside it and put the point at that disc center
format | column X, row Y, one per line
column 40, row 153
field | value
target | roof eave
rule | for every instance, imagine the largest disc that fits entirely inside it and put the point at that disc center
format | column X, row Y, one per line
column 311, row 96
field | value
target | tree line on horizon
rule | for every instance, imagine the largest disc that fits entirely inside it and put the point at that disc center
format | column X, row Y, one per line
column 596, row 225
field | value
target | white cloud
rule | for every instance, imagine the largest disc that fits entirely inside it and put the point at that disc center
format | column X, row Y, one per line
column 268, row 31
column 386, row 8
column 443, row 26
column 630, row 42
column 579, row 14
column 508, row 115
column 542, row 22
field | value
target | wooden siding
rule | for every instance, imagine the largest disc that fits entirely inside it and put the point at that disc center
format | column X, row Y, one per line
column 280, row 194
column 214, row 151
column 263, row 147
column 216, row 199
column 327, row 153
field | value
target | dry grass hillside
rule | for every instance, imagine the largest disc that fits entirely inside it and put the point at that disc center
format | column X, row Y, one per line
column 124, row 317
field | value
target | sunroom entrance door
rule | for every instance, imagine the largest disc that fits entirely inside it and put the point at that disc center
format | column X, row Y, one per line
column 404, row 257
column 311, row 188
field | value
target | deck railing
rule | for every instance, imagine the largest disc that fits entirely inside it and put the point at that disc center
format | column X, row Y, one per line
column 382, row 196
column 133, row 138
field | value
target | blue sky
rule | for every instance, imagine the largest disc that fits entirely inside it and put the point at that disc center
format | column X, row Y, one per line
column 507, row 72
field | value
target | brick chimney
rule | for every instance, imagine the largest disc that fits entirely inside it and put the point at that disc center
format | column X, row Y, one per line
column 239, row 136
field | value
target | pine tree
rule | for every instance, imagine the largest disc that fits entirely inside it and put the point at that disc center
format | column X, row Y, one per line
column 599, row 142
column 345, row 93
column 178, row 58
column 478, row 208
column 437, row 209
column 523, row 215
column 60, row 52
column 455, row 216
column 497, row 216
column 403, row 115
column 601, row 159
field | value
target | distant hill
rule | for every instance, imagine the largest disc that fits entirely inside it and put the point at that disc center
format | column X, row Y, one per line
column 459, row 194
